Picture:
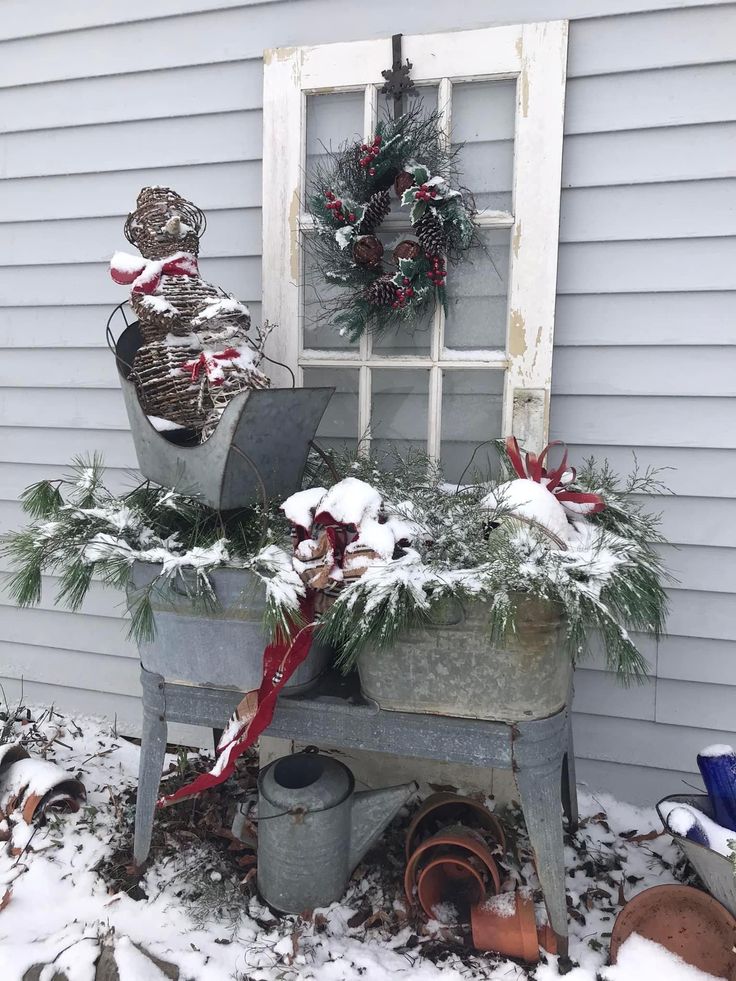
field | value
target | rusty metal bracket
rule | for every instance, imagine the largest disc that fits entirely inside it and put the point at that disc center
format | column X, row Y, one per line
column 398, row 80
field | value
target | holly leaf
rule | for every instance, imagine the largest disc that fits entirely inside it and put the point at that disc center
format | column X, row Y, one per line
column 409, row 196
column 421, row 175
column 418, row 210
column 353, row 208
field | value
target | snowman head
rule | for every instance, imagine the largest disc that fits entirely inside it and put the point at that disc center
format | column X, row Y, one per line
column 164, row 223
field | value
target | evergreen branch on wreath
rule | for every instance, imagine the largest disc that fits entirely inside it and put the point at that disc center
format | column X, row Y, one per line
column 359, row 285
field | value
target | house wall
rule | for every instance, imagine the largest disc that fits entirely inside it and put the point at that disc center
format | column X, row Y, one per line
column 97, row 100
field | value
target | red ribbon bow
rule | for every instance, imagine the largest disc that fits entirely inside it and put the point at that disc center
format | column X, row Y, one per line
column 532, row 468
column 145, row 274
column 207, row 363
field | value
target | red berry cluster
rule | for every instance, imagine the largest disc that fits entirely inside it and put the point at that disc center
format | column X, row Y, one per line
column 403, row 293
column 334, row 204
column 371, row 151
column 426, row 193
column 438, row 272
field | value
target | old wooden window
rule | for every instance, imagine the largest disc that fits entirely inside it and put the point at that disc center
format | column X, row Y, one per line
column 484, row 369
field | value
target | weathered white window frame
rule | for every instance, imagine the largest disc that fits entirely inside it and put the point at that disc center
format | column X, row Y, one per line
column 536, row 55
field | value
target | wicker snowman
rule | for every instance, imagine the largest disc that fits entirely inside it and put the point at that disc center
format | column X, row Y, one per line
column 195, row 353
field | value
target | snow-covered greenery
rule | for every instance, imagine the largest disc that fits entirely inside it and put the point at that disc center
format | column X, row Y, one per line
column 80, row 529
column 468, row 542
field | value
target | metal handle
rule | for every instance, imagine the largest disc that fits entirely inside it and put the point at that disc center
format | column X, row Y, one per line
column 110, row 337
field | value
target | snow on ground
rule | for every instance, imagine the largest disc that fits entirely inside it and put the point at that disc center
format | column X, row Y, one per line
column 196, row 906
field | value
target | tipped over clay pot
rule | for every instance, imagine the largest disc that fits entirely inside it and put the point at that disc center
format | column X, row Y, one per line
column 455, row 868
column 446, row 809
column 449, row 885
column 685, row 921
column 506, row 925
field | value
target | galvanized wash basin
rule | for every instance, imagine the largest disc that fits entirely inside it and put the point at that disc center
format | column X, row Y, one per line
column 215, row 648
column 449, row 666
column 714, row 869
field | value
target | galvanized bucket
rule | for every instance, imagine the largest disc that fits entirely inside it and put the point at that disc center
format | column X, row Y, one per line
column 258, row 449
column 449, row 667
column 714, row 869
column 214, row 648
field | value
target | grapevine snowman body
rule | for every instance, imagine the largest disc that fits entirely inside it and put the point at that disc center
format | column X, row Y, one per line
column 195, row 353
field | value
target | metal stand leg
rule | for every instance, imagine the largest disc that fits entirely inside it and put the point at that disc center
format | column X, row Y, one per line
column 538, row 767
column 569, row 783
column 153, row 748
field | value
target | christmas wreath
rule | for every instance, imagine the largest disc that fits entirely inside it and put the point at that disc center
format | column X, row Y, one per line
column 349, row 198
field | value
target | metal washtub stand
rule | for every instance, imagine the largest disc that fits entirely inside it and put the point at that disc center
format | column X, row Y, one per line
column 540, row 752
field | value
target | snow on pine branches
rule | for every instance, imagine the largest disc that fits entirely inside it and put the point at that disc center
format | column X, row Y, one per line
column 488, row 541
column 379, row 549
column 80, row 529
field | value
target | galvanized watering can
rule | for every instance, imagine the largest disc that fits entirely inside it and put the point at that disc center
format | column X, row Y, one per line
column 258, row 449
column 313, row 829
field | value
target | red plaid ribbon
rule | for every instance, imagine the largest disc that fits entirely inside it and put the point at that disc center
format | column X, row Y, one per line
column 207, row 363
column 255, row 712
column 145, row 274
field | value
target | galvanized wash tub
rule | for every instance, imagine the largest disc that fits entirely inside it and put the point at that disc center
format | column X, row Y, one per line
column 449, row 666
column 714, row 869
column 214, row 648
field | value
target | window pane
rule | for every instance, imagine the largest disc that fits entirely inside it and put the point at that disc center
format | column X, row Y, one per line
column 399, row 407
column 332, row 119
column 339, row 426
column 411, row 337
column 320, row 300
column 472, row 403
column 477, row 292
column 483, row 118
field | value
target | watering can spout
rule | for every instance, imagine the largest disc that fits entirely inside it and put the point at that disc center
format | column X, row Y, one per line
column 372, row 811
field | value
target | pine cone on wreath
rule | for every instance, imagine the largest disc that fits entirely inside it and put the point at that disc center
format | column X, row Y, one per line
column 379, row 205
column 431, row 235
column 381, row 292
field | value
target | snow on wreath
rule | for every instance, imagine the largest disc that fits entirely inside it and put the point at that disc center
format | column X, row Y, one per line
column 350, row 196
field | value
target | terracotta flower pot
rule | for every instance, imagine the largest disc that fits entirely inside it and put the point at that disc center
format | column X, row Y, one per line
column 449, row 885
column 506, row 925
column 450, row 853
column 441, row 810
column 547, row 938
column 36, row 786
column 685, row 921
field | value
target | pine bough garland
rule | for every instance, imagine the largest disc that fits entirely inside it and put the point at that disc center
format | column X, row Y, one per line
column 350, row 197
column 80, row 529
